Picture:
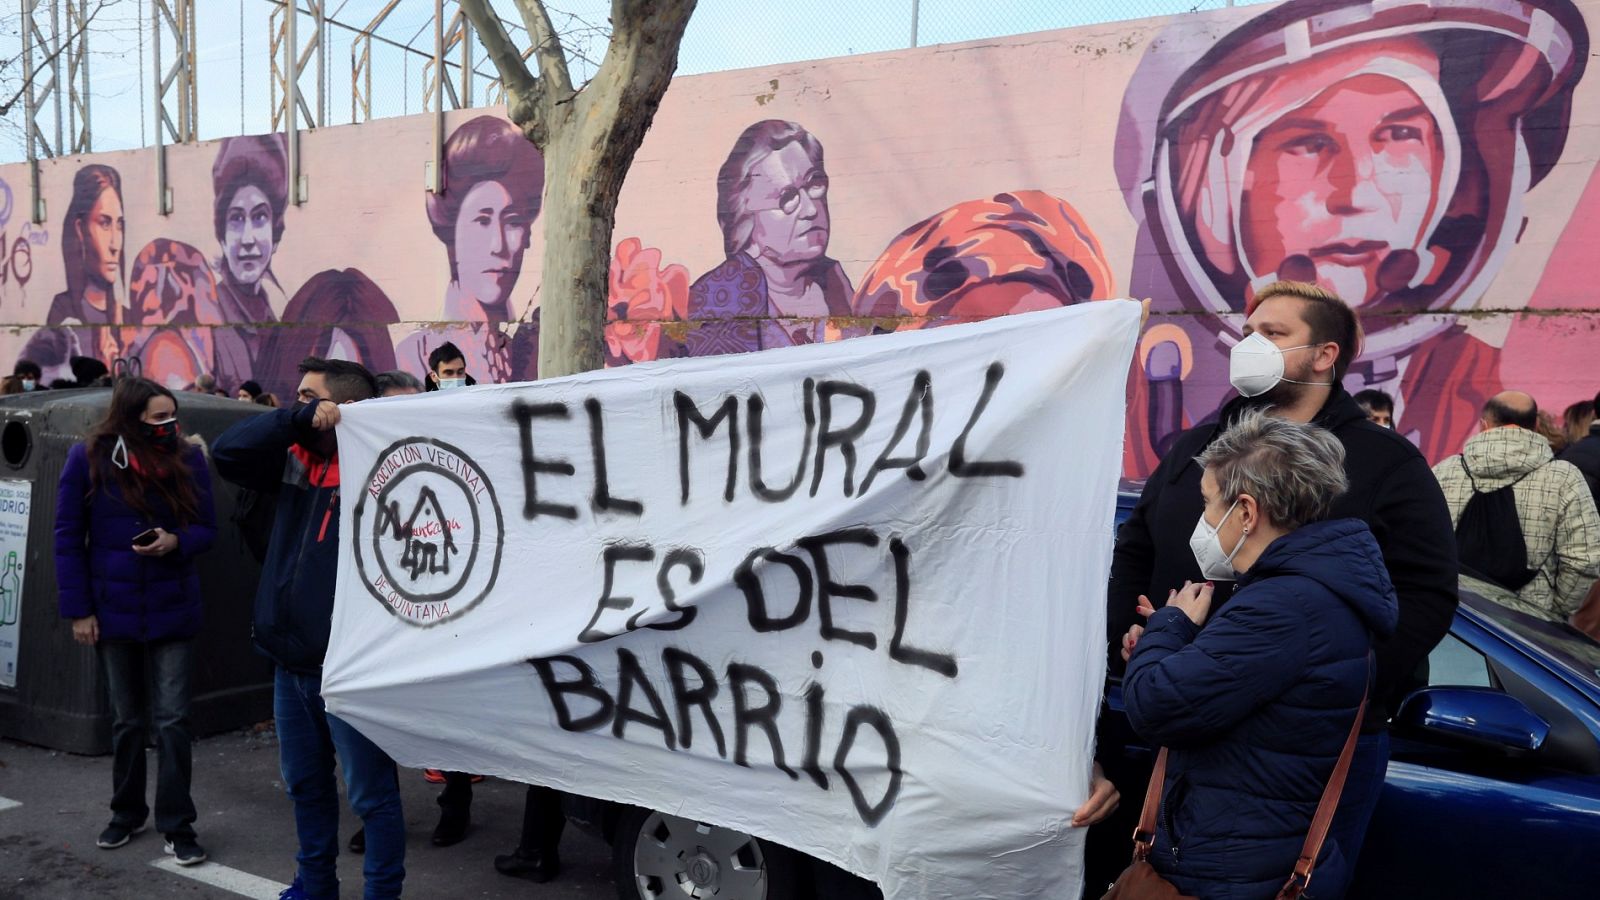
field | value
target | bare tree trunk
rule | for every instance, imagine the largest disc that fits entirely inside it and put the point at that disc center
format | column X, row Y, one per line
column 588, row 138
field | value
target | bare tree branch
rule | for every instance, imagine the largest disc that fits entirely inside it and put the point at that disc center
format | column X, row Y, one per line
column 547, row 47
column 524, row 94
column 639, row 64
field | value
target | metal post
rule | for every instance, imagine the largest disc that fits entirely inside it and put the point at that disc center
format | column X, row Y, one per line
column 320, row 6
column 361, row 66
column 435, row 173
column 55, row 71
column 78, row 77
column 30, row 110
column 916, row 13
column 174, row 20
column 163, row 201
column 466, row 62
column 291, row 100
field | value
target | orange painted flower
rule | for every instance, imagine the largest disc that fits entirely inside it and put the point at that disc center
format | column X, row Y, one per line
column 643, row 294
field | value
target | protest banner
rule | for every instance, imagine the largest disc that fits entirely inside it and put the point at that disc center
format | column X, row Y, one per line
column 845, row 597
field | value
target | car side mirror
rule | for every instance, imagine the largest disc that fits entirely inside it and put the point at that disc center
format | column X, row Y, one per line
column 1481, row 716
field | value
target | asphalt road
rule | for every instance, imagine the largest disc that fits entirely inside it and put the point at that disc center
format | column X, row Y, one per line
column 47, row 849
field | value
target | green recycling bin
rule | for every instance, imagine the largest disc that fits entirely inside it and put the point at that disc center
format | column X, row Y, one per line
column 51, row 691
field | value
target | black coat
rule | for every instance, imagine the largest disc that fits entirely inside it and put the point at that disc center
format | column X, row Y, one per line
column 1585, row 454
column 1392, row 489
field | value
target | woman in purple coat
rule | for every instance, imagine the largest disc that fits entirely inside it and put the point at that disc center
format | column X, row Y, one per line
column 132, row 514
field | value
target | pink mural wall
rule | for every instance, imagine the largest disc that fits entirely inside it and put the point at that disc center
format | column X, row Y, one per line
column 1434, row 162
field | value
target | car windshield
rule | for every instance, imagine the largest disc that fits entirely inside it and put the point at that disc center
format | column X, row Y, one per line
column 1565, row 644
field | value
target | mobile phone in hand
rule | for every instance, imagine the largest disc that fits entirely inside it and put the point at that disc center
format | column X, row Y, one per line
column 146, row 538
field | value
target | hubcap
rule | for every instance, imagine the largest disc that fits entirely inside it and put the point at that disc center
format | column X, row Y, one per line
column 681, row 859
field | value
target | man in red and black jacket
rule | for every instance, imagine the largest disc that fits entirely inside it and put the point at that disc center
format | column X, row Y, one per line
column 293, row 453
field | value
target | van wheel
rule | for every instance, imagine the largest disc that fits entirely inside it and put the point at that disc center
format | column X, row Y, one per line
column 661, row 857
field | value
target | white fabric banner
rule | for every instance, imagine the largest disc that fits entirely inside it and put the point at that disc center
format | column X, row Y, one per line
column 845, row 597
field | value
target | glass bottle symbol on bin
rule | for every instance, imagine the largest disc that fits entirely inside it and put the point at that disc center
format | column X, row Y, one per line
column 10, row 591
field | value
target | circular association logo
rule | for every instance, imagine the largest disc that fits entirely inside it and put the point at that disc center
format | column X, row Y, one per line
column 429, row 532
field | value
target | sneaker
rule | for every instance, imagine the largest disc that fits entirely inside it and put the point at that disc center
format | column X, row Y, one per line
column 433, row 776
column 294, row 891
column 116, row 835
column 185, row 850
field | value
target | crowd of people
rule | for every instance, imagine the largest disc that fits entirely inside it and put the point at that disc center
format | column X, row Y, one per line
column 1305, row 559
column 1302, row 555
column 133, row 514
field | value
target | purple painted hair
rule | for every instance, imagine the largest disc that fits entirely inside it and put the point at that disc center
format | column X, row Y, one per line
column 485, row 149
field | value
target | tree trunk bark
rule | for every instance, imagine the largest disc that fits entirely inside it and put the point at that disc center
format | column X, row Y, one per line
column 588, row 138
column 580, row 202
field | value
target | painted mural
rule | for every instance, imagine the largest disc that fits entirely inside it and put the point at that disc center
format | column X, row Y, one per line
column 1433, row 162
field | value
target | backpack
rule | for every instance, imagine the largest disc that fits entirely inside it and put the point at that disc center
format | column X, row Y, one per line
column 1489, row 536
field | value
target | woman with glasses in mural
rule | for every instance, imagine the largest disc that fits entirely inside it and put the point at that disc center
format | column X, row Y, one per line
column 778, row 286
column 92, row 238
column 493, row 190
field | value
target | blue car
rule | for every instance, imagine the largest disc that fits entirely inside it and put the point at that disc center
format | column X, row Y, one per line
column 1493, row 788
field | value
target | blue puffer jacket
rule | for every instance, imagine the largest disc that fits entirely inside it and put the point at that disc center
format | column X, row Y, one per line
column 1256, row 706
column 134, row 597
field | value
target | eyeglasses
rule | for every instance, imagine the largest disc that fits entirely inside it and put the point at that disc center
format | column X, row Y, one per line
column 789, row 198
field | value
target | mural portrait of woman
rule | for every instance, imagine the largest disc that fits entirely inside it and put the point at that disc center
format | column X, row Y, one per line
column 1381, row 150
column 92, row 235
column 778, row 286
column 344, row 296
column 493, row 189
column 250, row 192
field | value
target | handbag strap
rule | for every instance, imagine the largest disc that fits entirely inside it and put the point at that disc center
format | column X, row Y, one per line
column 1144, row 834
column 1297, row 883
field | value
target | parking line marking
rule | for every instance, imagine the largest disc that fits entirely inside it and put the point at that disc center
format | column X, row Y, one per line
column 242, row 883
column 6, row 804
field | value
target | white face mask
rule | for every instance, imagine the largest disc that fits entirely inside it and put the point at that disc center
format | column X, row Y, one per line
column 446, row 384
column 1256, row 366
column 29, row 384
column 1206, row 544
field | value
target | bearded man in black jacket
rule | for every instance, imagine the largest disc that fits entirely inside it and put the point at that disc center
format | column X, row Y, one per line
column 1299, row 341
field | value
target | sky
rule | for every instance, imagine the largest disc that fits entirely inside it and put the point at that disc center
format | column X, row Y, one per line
column 233, row 49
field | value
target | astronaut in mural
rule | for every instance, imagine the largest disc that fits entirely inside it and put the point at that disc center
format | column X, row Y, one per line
column 250, row 184
column 1382, row 150
column 494, row 186
column 777, row 286
column 92, row 236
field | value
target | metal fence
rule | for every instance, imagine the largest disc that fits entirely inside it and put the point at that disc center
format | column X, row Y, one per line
column 216, row 68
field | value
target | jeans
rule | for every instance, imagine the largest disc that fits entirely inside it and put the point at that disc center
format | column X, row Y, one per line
column 308, row 740
column 149, row 687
